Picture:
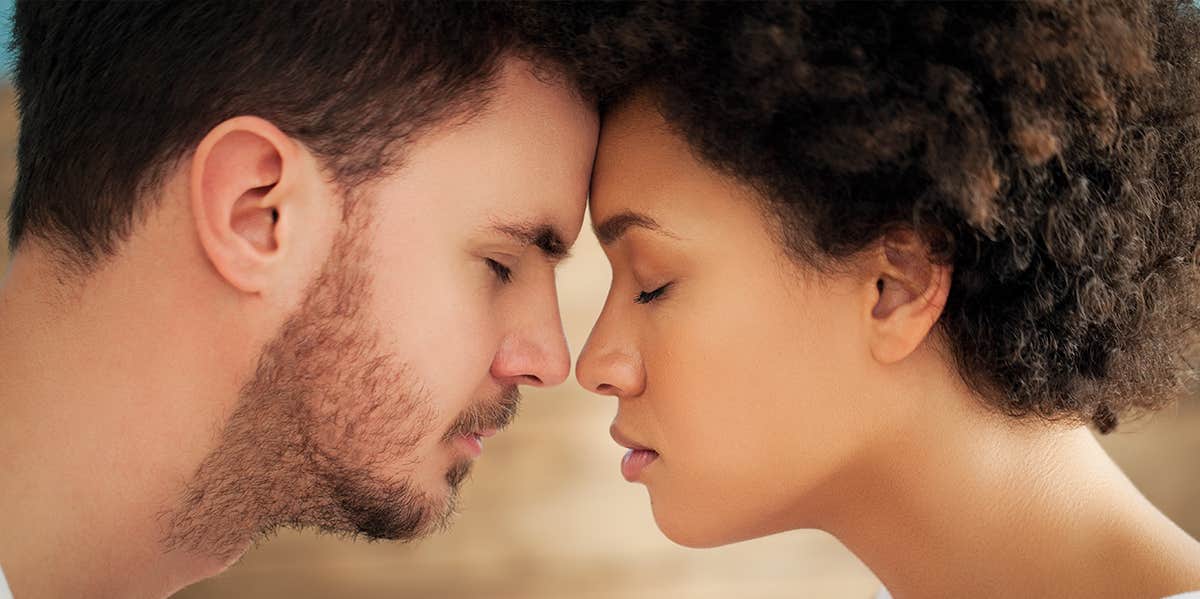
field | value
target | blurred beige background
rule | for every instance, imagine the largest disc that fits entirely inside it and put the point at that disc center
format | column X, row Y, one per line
column 547, row 514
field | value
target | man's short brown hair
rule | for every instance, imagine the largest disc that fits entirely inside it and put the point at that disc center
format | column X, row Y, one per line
column 110, row 94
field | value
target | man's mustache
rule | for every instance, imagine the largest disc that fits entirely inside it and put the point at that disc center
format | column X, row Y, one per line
column 495, row 414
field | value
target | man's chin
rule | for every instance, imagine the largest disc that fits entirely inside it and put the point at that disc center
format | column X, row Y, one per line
column 386, row 516
column 405, row 512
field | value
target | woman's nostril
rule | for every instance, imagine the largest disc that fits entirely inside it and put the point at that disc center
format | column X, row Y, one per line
column 606, row 389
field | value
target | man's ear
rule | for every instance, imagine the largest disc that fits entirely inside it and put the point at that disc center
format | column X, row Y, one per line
column 241, row 177
column 908, row 291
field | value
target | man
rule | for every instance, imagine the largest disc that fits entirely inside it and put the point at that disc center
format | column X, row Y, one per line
column 273, row 266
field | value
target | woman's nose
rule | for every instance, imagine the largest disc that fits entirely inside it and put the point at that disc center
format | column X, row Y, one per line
column 609, row 370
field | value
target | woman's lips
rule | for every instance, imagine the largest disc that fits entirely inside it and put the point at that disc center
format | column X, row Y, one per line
column 636, row 459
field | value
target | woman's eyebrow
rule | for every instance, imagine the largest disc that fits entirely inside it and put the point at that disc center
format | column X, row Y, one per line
column 613, row 227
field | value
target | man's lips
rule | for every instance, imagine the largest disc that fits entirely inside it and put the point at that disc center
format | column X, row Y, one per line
column 472, row 443
column 486, row 418
column 482, row 420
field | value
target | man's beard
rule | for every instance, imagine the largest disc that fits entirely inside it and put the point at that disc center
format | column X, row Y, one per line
column 315, row 428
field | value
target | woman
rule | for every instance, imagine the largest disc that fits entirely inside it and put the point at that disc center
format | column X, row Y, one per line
column 875, row 267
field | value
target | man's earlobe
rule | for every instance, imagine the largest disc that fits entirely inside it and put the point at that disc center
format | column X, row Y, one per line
column 238, row 180
column 909, row 292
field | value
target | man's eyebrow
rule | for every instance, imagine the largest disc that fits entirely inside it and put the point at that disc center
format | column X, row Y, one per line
column 542, row 235
column 609, row 231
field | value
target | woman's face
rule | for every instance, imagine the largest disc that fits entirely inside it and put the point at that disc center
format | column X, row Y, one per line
column 744, row 372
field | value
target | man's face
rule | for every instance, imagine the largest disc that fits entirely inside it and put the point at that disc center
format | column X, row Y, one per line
column 437, row 300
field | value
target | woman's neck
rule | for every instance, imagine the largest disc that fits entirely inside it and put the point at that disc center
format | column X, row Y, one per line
column 971, row 504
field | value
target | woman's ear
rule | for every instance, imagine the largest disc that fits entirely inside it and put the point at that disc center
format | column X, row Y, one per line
column 908, row 291
column 240, row 187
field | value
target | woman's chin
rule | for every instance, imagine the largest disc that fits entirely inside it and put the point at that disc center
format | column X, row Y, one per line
column 691, row 531
column 686, row 537
column 683, row 525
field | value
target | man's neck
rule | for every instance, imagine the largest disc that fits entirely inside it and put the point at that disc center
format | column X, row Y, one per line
column 1003, row 509
column 101, row 424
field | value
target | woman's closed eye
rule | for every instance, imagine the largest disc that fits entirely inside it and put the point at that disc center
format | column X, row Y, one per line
column 646, row 297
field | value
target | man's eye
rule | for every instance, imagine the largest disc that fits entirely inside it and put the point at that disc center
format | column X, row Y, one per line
column 646, row 297
column 503, row 272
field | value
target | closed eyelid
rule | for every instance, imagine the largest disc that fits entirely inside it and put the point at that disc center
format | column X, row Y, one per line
column 646, row 297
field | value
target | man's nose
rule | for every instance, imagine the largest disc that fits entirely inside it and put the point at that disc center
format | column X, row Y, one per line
column 534, row 352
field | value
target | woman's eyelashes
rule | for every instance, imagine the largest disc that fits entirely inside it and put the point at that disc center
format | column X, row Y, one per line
column 502, row 272
column 646, row 297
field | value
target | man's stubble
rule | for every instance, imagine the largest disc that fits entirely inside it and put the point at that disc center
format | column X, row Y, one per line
column 325, row 413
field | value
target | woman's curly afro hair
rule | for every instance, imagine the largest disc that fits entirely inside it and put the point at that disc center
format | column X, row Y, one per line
column 1049, row 151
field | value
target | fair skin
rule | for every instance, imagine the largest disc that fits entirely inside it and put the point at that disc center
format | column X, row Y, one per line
column 120, row 388
column 761, row 395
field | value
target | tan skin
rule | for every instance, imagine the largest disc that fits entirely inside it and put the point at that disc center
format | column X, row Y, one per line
column 781, row 397
column 116, row 385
